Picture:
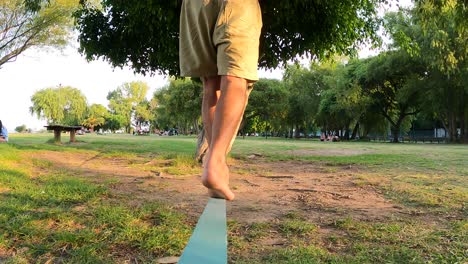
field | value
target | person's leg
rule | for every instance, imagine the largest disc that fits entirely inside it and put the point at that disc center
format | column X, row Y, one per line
column 211, row 93
column 227, row 115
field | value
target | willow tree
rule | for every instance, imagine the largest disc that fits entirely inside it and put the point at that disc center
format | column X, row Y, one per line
column 62, row 105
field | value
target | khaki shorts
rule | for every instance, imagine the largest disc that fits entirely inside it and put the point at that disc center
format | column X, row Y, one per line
column 220, row 37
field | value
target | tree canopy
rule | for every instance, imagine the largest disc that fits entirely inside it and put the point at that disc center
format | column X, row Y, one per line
column 96, row 116
column 434, row 33
column 128, row 102
column 178, row 105
column 144, row 34
column 33, row 23
column 62, row 105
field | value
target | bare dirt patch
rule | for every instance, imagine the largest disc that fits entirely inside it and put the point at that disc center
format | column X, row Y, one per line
column 265, row 190
column 91, row 164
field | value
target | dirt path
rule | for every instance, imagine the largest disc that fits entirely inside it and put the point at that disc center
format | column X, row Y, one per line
column 265, row 191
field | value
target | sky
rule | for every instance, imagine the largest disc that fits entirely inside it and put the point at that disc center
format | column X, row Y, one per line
column 38, row 69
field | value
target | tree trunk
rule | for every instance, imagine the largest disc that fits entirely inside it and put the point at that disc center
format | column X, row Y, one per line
column 195, row 126
column 452, row 127
column 463, row 134
column 466, row 125
column 346, row 129
column 395, row 134
column 296, row 132
column 451, row 116
column 396, row 128
column 355, row 130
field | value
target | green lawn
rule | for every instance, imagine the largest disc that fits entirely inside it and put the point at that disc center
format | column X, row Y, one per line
column 62, row 218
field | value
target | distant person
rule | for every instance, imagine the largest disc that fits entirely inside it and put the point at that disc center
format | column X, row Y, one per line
column 322, row 137
column 219, row 43
column 3, row 133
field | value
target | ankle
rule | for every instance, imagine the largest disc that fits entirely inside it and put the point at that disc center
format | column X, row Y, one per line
column 216, row 158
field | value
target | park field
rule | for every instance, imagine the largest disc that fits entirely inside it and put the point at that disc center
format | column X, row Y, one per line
column 135, row 199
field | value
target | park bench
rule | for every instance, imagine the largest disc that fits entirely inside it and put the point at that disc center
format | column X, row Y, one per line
column 58, row 129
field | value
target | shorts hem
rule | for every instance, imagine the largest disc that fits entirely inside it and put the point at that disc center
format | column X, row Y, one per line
column 245, row 75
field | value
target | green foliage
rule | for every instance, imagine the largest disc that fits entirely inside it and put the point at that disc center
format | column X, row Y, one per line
column 21, row 129
column 96, row 116
column 305, row 87
column 128, row 102
column 179, row 105
column 343, row 102
column 392, row 81
column 434, row 33
column 63, row 105
column 115, row 122
column 34, row 23
column 144, row 34
column 267, row 106
column 444, row 23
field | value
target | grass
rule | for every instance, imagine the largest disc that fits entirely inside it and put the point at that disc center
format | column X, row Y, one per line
column 61, row 218
column 49, row 214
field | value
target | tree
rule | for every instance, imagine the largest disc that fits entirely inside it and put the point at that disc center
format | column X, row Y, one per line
column 305, row 87
column 144, row 34
column 96, row 116
column 62, row 105
column 392, row 80
column 179, row 105
column 343, row 106
column 126, row 100
column 114, row 122
column 21, row 129
column 142, row 115
column 267, row 108
column 434, row 32
column 27, row 24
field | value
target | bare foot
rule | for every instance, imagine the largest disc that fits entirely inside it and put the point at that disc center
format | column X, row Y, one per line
column 215, row 177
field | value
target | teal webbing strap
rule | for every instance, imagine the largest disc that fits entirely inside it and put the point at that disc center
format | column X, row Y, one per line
column 208, row 243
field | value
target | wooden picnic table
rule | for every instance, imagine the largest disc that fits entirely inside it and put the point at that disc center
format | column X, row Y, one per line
column 58, row 129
